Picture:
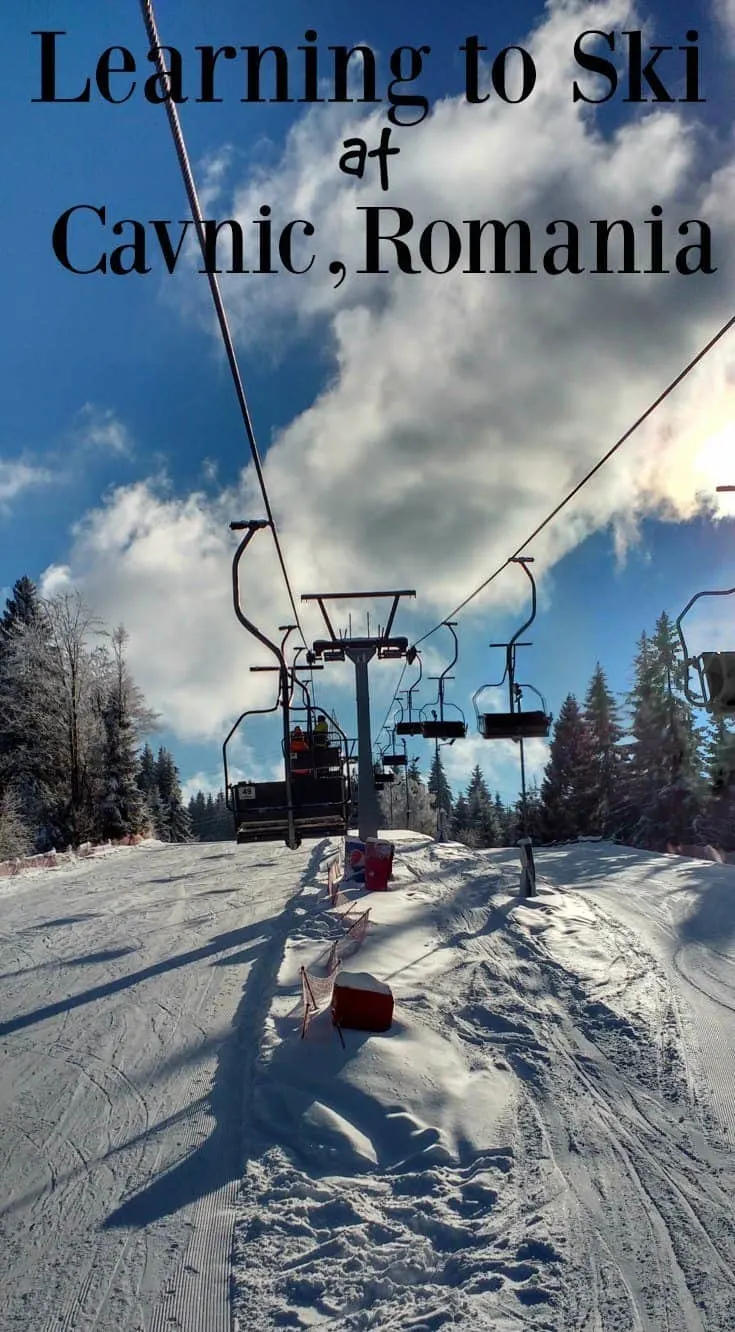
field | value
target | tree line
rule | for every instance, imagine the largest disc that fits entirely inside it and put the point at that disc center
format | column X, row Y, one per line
column 75, row 764
column 71, row 725
column 644, row 770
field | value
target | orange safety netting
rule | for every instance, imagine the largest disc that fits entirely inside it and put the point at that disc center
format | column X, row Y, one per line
column 316, row 991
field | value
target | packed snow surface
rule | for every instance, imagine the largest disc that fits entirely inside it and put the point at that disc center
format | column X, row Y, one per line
column 544, row 1139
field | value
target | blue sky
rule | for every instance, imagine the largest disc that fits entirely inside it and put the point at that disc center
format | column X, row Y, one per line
column 415, row 428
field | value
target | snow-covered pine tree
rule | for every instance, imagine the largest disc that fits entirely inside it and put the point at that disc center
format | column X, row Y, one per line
column 222, row 825
column 175, row 822
column 715, row 825
column 21, row 608
column 198, row 817
column 120, row 803
column 480, row 812
column 664, row 766
column 211, row 820
column 441, row 793
column 460, row 820
column 15, row 839
column 22, row 639
column 718, row 752
column 565, row 797
column 148, row 783
column 606, row 772
column 502, row 822
column 422, row 811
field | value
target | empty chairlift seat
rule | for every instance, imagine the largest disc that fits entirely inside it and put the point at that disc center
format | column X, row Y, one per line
column 514, row 725
column 409, row 728
column 443, row 730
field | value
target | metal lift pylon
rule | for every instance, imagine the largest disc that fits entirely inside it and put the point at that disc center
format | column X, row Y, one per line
column 360, row 651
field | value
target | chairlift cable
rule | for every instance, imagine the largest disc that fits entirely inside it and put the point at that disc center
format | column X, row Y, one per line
column 149, row 20
column 563, row 503
column 718, row 336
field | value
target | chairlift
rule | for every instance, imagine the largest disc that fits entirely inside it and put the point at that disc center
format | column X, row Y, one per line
column 715, row 670
column 410, row 725
column 316, row 802
column 514, row 724
column 392, row 758
column 441, row 727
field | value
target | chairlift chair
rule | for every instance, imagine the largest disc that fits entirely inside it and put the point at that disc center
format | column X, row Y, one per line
column 411, row 725
column 391, row 758
column 514, row 724
column 394, row 760
column 441, row 727
column 715, row 670
column 316, row 804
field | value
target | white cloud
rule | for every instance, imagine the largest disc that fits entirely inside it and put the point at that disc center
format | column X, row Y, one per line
column 54, row 579
column 100, row 429
column 461, row 407
column 17, row 476
column 725, row 11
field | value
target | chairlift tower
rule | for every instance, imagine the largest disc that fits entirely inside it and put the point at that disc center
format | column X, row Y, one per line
column 360, row 651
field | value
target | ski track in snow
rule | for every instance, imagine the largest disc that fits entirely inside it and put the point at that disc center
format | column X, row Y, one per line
column 534, row 1143
column 545, row 1139
column 121, row 1101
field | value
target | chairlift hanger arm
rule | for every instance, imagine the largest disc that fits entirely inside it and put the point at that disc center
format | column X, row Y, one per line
column 717, row 592
column 250, row 527
column 524, row 561
column 450, row 624
column 249, row 712
column 695, row 661
column 415, row 685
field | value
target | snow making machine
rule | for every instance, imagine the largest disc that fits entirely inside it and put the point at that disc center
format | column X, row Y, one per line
column 312, row 799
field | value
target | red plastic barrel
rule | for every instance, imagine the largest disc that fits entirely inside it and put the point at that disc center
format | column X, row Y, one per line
column 378, row 864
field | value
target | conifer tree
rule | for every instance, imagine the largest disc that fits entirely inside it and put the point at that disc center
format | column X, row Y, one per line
column 460, row 819
column 22, row 608
column 147, row 780
column 565, row 797
column 715, row 825
column 502, row 822
column 197, row 816
column 23, row 639
column 121, row 809
column 480, row 813
column 422, row 813
column 441, row 793
column 664, row 765
column 15, row 839
column 606, row 772
column 175, row 822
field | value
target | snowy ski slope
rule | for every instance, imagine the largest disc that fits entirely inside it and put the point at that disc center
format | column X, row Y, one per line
column 545, row 1139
